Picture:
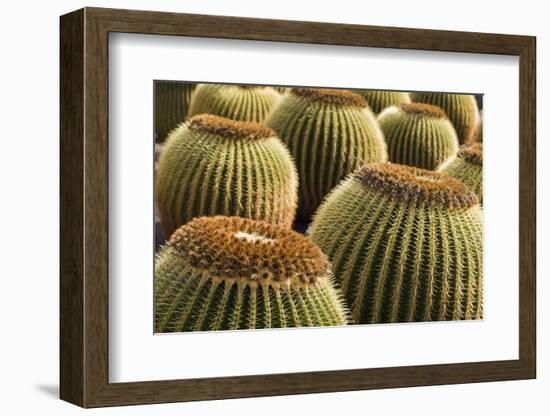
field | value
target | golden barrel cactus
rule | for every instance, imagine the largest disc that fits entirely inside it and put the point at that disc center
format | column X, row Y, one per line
column 222, row 273
column 461, row 109
column 238, row 102
column 418, row 135
column 406, row 245
column 479, row 132
column 378, row 100
column 468, row 168
column 171, row 105
column 329, row 133
column 216, row 166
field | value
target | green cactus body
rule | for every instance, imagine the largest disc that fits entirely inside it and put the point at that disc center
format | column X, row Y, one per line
column 379, row 100
column 216, row 166
column 222, row 273
column 479, row 132
column 237, row 102
column 171, row 104
column 418, row 135
column 405, row 245
column 468, row 168
column 461, row 109
column 330, row 133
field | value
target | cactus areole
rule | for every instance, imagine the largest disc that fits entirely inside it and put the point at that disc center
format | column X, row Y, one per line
column 461, row 109
column 418, row 135
column 238, row 102
column 329, row 133
column 472, row 153
column 229, row 129
column 213, row 165
column 416, row 186
column 237, row 248
column 406, row 244
column 222, row 273
column 467, row 167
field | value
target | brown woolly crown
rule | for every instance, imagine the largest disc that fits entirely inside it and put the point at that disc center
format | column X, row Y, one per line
column 424, row 110
column 229, row 129
column 234, row 247
column 331, row 96
column 416, row 186
column 472, row 153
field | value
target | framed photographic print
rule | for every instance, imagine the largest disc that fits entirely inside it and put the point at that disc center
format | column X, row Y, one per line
column 256, row 207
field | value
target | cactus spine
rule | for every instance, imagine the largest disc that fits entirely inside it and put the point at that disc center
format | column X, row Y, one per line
column 468, row 168
column 238, row 102
column 461, row 109
column 405, row 245
column 221, row 273
column 418, row 135
column 379, row 100
column 171, row 104
column 330, row 133
column 215, row 166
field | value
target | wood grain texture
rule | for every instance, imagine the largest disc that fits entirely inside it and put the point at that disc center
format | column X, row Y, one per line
column 527, row 208
column 84, row 207
column 71, row 213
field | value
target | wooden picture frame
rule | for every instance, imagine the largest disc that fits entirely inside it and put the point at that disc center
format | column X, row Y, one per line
column 84, row 207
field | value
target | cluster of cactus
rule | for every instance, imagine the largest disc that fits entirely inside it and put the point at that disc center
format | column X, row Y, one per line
column 380, row 100
column 405, row 245
column 171, row 105
column 392, row 202
column 221, row 273
column 418, row 135
column 461, row 109
column 468, row 168
column 216, row 166
column 330, row 133
column 237, row 102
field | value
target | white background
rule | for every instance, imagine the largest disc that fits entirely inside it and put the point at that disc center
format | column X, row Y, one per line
column 136, row 60
column 29, row 220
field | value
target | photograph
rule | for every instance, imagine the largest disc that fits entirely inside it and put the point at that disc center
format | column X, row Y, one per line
column 255, row 203
column 285, row 207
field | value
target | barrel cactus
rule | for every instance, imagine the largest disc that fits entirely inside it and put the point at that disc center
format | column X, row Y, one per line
column 379, row 100
column 405, row 245
column 238, row 102
column 461, row 109
column 216, row 166
column 418, row 135
column 330, row 133
column 221, row 273
column 479, row 132
column 171, row 104
column 468, row 168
